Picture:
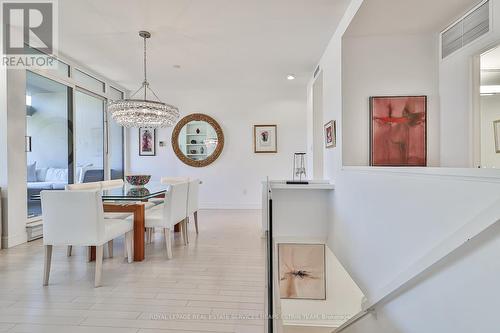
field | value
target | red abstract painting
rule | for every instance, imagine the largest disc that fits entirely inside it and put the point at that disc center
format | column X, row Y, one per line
column 398, row 131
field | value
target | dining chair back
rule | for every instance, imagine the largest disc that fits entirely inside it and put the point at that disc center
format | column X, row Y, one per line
column 174, row 209
column 72, row 217
column 193, row 203
column 112, row 183
column 174, row 180
column 171, row 212
column 84, row 186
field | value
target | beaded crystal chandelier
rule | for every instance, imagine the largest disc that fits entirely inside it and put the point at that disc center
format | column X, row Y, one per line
column 143, row 112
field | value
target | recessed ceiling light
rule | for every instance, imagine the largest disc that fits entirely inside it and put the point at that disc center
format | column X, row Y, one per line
column 290, row 77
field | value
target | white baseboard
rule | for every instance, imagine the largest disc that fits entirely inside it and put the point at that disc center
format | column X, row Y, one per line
column 217, row 205
column 14, row 240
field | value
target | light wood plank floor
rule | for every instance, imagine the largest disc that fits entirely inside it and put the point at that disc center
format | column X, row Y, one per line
column 215, row 284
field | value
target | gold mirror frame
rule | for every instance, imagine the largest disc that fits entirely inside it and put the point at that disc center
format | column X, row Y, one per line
column 175, row 140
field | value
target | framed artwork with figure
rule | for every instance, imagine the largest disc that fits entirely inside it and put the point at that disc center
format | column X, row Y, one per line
column 265, row 139
column 147, row 142
column 330, row 134
column 398, row 131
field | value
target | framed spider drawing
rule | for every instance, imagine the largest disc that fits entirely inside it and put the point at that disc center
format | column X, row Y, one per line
column 302, row 271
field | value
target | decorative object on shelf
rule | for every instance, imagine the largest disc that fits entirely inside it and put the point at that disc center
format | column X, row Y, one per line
column 210, row 140
column 265, row 139
column 331, row 134
column 398, row 131
column 197, row 131
column 193, row 142
column 138, row 180
column 147, row 142
column 299, row 170
column 143, row 112
column 496, row 128
column 302, row 271
column 192, row 151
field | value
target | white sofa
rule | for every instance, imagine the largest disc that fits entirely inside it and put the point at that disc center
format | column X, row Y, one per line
column 49, row 179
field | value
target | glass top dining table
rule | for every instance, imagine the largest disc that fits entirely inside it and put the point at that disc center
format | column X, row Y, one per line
column 128, row 192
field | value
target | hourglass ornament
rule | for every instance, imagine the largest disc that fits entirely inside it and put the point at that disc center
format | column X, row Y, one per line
column 299, row 169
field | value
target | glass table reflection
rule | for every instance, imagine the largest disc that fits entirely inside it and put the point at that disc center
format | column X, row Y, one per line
column 128, row 192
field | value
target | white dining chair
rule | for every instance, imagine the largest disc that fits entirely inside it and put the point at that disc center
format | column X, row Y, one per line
column 174, row 180
column 159, row 201
column 112, row 183
column 172, row 212
column 98, row 186
column 77, row 218
column 83, row 186
column 192, row 204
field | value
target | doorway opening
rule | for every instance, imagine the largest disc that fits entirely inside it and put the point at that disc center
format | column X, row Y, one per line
column 317, row 91
column 488, row 127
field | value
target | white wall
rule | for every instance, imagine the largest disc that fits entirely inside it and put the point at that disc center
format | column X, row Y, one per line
column 387, row 66
column 405, row 216
column 234, row 179
column 490, row 112
column 330, row 65
column 12, row 141
column 458, row 132
column 385, row 220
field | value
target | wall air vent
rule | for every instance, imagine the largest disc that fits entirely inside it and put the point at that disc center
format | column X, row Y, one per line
column 467, row 29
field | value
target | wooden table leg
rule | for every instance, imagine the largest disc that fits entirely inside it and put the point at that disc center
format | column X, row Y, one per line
column 139, row 211
column 139, row 217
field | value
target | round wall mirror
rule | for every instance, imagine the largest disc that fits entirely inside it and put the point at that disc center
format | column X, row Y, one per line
column 197, row 140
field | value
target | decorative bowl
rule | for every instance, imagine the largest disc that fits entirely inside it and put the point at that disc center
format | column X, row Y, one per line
column 138, row 180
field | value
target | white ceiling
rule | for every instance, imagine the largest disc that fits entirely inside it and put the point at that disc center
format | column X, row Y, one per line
column 222, row 44
column 384, row 17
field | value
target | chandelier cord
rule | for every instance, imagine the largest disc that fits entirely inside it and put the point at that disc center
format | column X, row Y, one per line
column 145, row 83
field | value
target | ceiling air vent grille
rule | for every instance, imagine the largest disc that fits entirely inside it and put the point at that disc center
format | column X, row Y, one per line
column 469, row 28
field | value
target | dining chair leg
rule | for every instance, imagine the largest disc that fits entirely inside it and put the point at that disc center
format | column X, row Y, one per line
column 196, row 220
column 151, row 235
column 99, row 252
column 186, row 222
column 125, row 251
column 89, row 253
column 129, row 245
column 47, row 262
column 110, row 249
column 168, row 242
column 68, row 250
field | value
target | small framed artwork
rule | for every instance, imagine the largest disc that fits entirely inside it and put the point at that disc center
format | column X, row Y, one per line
column 496, row 129
column 265, row 139
column 331, row 134
column 302, row 271
column 147, row 142
column 398, row 131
